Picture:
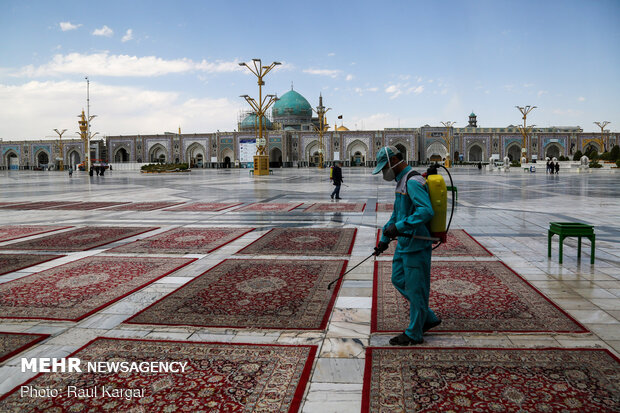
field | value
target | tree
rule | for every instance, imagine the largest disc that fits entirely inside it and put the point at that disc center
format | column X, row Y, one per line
column 615, row 153
column 577, row 156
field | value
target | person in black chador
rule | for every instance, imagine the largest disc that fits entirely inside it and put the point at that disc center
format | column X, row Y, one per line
column 337, row 178
column 557, row 167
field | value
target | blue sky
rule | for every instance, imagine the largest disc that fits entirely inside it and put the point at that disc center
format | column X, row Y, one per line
column 155, row 66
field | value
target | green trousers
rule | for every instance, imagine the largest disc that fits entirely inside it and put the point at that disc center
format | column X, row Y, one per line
column 411, row 275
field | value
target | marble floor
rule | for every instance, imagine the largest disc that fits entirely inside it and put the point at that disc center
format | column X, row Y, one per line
column 508, row 213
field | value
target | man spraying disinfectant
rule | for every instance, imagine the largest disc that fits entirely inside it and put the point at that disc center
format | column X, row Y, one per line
column 410, row 224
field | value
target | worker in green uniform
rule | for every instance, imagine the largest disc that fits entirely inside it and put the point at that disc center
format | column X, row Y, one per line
column 411, row 266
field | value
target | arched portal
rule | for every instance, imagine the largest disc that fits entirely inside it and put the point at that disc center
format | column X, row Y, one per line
column 357, row 151
column 436, row 152
column 475, row 153
column 275, row 158
column 590, row 148
column 514, row 152
column 74, row 158
column 42, row 158
column 195, row 155
column 158, row 153
column 121, row 155
column 552, row 151
column 227, row 157
column 11, row 160
column 402, row 150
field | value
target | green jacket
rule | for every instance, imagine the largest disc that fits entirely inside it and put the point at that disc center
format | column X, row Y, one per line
column 412, row 210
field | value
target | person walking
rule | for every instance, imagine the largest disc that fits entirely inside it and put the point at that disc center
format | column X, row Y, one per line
column 337, row 180
column 411, row 265
column 70, row 172
column 557, row 168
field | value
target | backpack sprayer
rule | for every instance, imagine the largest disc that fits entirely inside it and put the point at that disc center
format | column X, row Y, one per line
column 438, row 195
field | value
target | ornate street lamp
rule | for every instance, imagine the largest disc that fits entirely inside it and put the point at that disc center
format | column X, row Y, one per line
column 261, row 159
column 62, row 153
column 525, row 130
column 448, row 125
column 602, row 126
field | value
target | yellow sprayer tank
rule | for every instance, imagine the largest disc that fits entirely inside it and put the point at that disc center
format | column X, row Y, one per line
column 439, row 200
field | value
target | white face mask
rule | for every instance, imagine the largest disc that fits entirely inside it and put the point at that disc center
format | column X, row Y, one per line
column 388, row 173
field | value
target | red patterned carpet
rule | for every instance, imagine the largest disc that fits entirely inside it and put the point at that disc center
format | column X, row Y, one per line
column 16, row 262
column 336, row 207
column 268, row 207
column 144, row 206
column 381, row 207
column 278, row 294
column 304, row 241
column 471, row 296
column 205, row 206
column 40, row 204
column 458, row 244
column 75, row 290
column 11, row 232
column 80, row 239
column 184, row 241
column 490, row 380
column 14, row 343
column 217, row 378
column 8, row 204
column 84, row 206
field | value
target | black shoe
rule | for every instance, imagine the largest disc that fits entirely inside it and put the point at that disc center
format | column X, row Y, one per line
column 332, row 196
column 404, row 340
column 428, row 326
column 338, row 197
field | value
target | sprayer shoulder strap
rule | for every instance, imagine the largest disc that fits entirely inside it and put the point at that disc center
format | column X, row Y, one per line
column 418, row 177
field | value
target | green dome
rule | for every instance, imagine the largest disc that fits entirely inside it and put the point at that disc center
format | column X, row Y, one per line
column 472, row 115
column 251, row 122
column 292, row 104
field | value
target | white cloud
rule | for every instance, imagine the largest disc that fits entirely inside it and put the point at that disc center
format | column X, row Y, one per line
column 128, row 36
column 581, row 99
column 104, row 64
column 104, row 31
column 349, row 77
column 542, row 92
column 528, row 84
column 393, row 90
column 331, row 54
column 66, row 26
column 323, row 72
column 398, row 89
column 119, row 110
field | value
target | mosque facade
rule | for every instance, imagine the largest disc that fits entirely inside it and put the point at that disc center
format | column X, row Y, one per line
column 293, row 141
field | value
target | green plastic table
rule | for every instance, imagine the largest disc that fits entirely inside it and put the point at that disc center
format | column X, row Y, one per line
column 571, row 229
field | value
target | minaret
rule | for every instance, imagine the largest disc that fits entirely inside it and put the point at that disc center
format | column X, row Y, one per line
column 472, row 121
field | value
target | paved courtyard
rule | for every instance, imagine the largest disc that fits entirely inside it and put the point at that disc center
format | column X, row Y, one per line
column 508, row 213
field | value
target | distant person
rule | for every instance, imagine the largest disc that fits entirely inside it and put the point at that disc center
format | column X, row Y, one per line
column 479, row 166
column 102, row 170
column 549, row 166
column 90, row 171
column 110, row 167
column 557, row 167
column 70, row 172
column 337, row 180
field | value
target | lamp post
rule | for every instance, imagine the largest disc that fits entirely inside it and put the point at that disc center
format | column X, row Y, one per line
column 448, row 125
column 260, row 106
column 321, row 111
column 602, row 126
column 62, row 153
column 525, row 131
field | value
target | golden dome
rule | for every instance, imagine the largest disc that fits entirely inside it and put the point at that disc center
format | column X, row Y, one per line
column 341, row 128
